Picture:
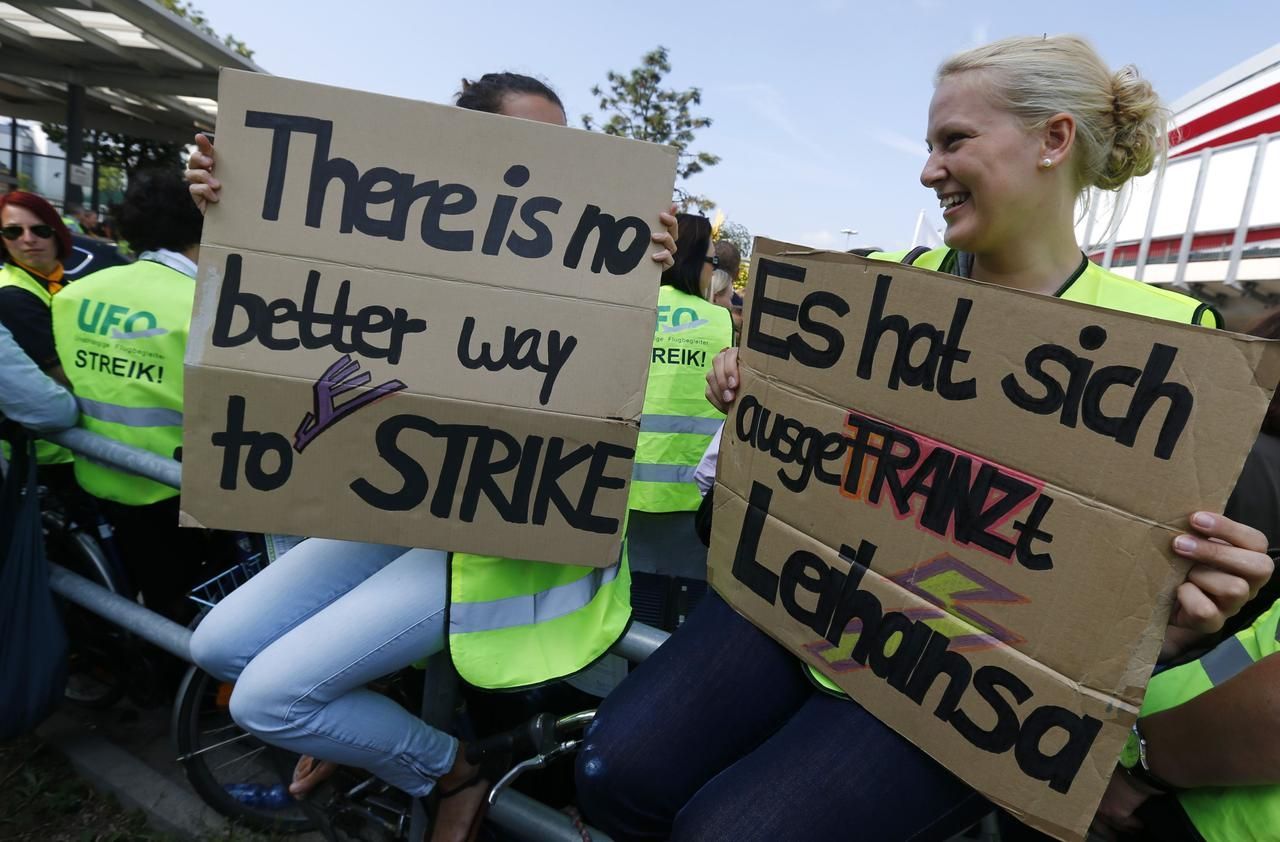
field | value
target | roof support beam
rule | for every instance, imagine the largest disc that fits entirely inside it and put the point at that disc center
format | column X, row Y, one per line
column 95, row 118
column 67, row 24
column 142, row 83
column 177, row 33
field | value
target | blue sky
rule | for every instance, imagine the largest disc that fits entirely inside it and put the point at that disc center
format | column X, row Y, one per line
column 819, row 106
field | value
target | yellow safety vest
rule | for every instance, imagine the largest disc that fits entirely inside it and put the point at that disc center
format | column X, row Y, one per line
column 121, row 335
column 677, row 422
column 1091, row 285
column 520, row 623
column 11, row 275
column 1223, row 814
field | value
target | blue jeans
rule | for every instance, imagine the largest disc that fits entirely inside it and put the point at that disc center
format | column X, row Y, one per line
column 720, row 735
column 302, row 639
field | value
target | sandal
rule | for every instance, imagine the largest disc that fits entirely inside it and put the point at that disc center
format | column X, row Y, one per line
column 313, row 771
column 481, row 779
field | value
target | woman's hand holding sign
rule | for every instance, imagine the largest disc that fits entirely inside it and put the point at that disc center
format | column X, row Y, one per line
column 204, row 187
column 1230, row 559
column 1231, row 565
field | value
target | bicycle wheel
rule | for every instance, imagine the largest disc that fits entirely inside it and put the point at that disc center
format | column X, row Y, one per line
column 216, row 754
column 95, row 647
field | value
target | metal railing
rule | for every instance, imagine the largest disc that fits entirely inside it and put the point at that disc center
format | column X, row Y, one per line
column 515, row 812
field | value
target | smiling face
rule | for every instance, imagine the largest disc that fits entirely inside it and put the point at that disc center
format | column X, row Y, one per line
column 29, row 249
column 983, row 165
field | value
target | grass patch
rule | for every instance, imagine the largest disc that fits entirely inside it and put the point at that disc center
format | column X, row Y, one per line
column 42, row 800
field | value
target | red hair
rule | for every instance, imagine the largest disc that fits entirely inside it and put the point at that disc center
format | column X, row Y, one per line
column 46, row 213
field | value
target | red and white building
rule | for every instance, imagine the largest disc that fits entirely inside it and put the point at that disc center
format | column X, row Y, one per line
column 1208, row 223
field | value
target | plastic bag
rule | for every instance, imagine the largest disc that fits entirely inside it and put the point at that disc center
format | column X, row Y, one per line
column 33, row 643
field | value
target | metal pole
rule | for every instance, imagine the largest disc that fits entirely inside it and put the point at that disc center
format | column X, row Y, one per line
column 71, row 193
column 533, row 821
column 13, row 150
column 1188, row 236
column 93, row 187
column 129, row 615
column 639, row 642
column 113, row 454
column 1144, row 249
column 1242, row 229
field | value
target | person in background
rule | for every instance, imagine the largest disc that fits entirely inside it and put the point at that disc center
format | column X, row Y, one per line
column 730, row 257
column 720, row 289
column 121, row 335
column 748, row 748
column 677, row 423
column 1203, row 760
column 35, row 242
column 30, row 397
column 83, row 220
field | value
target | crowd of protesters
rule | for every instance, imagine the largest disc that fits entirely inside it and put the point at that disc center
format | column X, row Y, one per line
column 705, row 739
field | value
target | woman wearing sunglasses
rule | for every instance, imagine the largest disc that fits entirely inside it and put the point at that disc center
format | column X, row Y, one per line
column 35, row 241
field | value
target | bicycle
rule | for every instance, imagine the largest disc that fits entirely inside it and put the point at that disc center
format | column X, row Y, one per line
column 103, row 661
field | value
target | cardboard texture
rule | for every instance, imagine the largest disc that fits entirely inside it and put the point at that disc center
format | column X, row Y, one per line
column 470, row 296
column 969, row 530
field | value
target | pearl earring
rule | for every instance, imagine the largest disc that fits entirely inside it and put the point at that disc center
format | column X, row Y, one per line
column 1046, row 163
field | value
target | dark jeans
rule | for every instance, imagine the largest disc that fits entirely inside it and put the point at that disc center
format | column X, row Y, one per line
column 720, row 735
column 164, row 560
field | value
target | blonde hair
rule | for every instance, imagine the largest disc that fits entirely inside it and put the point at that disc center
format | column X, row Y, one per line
column 720, row 281
column 1121, row 125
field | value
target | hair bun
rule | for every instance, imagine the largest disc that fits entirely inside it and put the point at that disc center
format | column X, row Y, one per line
column 1140, row 129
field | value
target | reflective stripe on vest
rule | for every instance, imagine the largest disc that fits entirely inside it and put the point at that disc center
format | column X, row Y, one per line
column 559, row 619
column 677, row 421
column 679, row 424
column 121, row 334
column 1223, row 813
column 1094, row 286
column 130, row 416
column 47, row 453
column 528, row 609
column 663, row 473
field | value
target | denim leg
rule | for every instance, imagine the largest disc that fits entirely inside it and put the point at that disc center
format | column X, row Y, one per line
column 833, row 772
column 297, row 585
column 712, row 693
column 305, row 691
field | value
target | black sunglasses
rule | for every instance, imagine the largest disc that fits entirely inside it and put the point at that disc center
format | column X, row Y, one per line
column 13, row 232
column 713, row 259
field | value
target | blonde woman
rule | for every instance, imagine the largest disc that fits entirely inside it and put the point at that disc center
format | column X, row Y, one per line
column 721, row 735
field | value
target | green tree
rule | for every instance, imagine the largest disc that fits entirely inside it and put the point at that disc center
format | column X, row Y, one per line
column 185, row 9
column 637, row 106
column 130, row 152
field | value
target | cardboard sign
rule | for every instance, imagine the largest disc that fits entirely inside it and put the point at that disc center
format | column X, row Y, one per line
column 957, row 501
column 420, row 325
